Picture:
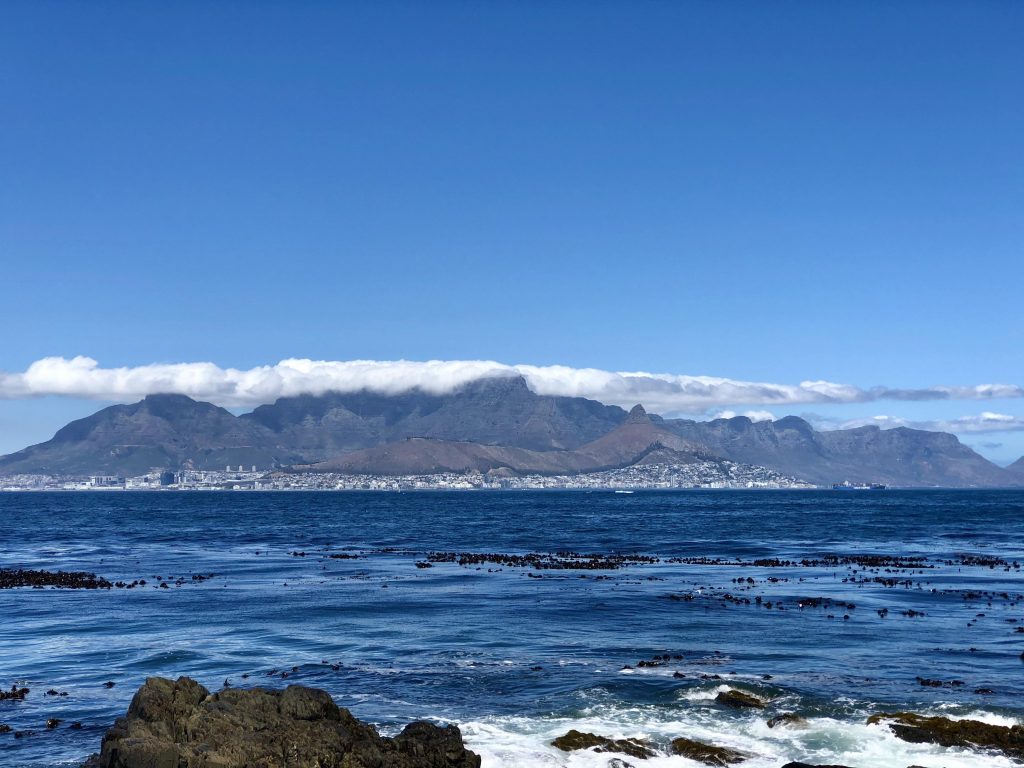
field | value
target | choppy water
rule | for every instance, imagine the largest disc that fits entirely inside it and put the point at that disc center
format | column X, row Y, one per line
column 514, row 659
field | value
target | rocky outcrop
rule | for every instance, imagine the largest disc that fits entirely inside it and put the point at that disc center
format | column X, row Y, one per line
column 179, row 724
column 638, row 748
column 739, row 700
column 574, row 740
column 706, row 753
column 920, row 729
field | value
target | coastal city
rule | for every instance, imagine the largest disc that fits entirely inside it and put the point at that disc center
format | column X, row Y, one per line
column 701, row 474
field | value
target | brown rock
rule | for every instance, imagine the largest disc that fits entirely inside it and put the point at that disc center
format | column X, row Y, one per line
column 181, row 725
column 706, row 753
column 574, row 740
column 919, row 729
column 739, row 700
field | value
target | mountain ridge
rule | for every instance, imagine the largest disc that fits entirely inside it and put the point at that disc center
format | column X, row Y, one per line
column 491, row 423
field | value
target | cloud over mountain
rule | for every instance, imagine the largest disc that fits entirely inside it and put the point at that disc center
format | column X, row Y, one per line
column 83, row 377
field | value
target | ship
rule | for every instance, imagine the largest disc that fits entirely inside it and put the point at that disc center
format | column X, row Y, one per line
column 846, row 485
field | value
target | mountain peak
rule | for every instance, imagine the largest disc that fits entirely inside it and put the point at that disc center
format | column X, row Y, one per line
column 638, row 415
column 501, row 382
column 168, row 397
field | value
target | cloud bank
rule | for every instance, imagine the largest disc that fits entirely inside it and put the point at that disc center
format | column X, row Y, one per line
column 83, row 377
column 986, row 421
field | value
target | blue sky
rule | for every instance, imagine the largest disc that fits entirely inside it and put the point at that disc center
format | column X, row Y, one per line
column 769, row 192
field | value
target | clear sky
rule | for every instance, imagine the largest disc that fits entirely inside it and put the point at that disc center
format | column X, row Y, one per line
column 772, row 192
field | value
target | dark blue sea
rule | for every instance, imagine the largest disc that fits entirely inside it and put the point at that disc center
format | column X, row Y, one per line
column 827, row 603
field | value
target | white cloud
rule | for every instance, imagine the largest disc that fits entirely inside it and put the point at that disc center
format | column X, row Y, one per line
column 752, row 415
column 986, row 421
column 83, row 377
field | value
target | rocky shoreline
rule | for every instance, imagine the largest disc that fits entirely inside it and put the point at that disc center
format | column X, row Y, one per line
column 181, row 724
column 908, row 726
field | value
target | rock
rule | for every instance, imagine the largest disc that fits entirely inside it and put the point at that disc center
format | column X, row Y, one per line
column 617, row 763
column 14, row 578
column 428, row 745
column 5, row 728
column 15, row 694
column 812, row 765
column 787, row 718
column 919, row 729
column 574, row 740
column 53, row 722
column 180, row 724
column 706, row 753
column 739, row 700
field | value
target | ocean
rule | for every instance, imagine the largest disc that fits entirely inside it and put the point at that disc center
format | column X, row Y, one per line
column 521, row 615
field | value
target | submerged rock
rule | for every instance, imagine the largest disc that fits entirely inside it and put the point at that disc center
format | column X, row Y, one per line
column 574, row 740
column 954, row 733
column 16, row 693
column 706, row 753
column 814, row 765
column 787, row 718
column 739, row 700
column 179, row 724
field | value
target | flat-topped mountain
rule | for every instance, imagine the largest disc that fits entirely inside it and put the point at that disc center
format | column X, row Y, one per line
column 496, row 411
column 633, row 440
column 496, row 423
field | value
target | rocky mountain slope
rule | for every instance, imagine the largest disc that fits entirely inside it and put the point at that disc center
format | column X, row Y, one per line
column 161, row 431
column 632, row 441
column 898, row 456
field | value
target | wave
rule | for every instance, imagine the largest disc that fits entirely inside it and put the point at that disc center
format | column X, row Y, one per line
column 521, row 742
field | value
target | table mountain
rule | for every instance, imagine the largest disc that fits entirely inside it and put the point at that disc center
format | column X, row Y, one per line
column 496, row 411
column 633, row 440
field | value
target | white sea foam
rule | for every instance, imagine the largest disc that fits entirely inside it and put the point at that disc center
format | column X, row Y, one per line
column 519, row 742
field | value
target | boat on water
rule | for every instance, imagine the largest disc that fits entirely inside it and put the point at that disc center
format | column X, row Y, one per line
column 846, row 485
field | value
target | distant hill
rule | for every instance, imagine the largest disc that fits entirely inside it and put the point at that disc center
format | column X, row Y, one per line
column 489, row 424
